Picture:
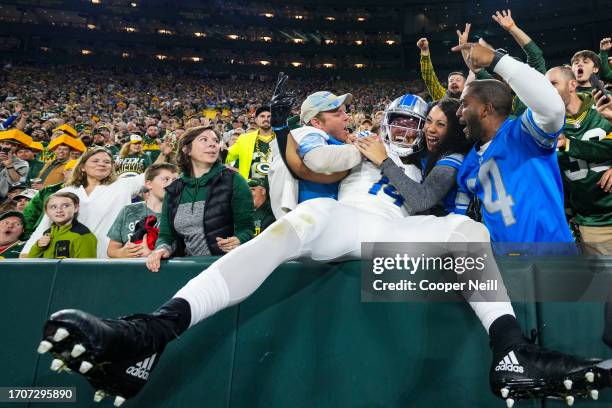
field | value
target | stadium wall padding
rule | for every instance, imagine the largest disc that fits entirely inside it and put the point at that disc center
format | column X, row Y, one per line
column 304, row 339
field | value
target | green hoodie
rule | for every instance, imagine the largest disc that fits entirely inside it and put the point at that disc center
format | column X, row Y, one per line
column 195, row 190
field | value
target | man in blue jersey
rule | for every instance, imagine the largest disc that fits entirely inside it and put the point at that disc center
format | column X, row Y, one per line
column 512, row 170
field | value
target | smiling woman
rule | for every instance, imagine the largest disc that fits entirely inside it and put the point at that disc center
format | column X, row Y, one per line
column 438, row 159
column 209, row 209
column 100, row 193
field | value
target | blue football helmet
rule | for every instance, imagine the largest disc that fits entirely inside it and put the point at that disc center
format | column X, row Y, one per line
column 402, row 124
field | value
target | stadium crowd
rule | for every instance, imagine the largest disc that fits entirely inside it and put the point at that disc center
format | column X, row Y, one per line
column 117, row 162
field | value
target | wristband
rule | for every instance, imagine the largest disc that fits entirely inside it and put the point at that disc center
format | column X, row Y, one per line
column 496, row 58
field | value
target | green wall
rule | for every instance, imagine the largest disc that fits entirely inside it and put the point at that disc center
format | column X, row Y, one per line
column 304, row 339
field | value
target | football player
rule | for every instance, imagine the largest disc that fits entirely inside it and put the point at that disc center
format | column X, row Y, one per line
column 367, row 210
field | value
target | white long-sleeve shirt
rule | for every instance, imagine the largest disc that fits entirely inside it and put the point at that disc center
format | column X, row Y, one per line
column 97, row 211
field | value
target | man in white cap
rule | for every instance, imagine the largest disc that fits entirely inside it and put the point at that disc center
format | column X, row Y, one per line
column 321, row 142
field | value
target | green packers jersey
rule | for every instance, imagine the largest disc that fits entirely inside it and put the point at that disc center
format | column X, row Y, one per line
column 262, row 156
column 132, row 165
column 583, row 163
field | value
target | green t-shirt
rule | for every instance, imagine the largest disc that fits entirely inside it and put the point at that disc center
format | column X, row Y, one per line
column 582, row 165
column 263, row 218
column 132, row 165
column 125, row 223
column 150, row 147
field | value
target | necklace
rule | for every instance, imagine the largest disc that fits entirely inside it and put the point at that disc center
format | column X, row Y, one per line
column 265, row 157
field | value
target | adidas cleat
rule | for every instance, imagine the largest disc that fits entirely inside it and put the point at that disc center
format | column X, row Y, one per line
column 115, row 356
column 529, row 372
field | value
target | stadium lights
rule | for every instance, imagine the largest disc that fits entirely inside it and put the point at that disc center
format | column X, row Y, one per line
column 328, row 65
column 330, row 18
column 166, row 32
column 232, row 36
column 359, row 65
column 298, row 17
column 264, row 62
column 361, row 19
column 133, row 4
column 96, row 1
column 296, row 64
column 329, row 42
column 196, row 59
column 358, row 42
column 85, row 52
column 199, row 34
column 161, row 57
column 266, row 38
column 298, row 41
column 91, row 26
column 390, row 42
column 125, row 55
column 130, row 29
column 268, row 15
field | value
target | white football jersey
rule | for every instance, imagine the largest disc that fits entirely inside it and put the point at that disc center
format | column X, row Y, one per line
column 367, row 189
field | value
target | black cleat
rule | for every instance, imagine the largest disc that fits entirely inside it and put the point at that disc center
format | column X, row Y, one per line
column 527, row 371
column 115, row 356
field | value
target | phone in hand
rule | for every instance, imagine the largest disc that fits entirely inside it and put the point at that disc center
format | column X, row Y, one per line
column 599, row 86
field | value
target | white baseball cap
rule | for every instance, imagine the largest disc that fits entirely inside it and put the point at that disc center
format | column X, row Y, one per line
column 322, row 101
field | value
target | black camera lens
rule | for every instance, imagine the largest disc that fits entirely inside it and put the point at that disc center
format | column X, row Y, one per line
column 5, row 149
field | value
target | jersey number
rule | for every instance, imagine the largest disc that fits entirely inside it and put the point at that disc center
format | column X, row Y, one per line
column 490, row 177
column 388, row 189
column 583, row 166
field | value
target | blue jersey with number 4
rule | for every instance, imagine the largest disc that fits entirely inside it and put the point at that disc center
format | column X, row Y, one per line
column 518, row 182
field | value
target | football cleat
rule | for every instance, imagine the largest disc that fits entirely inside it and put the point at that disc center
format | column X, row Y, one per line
column 527, row 371
column 115, row 356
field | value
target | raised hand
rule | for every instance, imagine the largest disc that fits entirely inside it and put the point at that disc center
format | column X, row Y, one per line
column 423, row 45
column 504, row 19
column 478, row 56
column 282, row 102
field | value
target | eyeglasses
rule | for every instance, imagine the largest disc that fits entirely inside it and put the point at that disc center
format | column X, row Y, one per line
column 11, row 223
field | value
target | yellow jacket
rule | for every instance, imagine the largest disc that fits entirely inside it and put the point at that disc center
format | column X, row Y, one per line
column 243, row 151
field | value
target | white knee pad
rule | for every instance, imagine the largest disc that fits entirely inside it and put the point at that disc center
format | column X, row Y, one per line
column 308, row 220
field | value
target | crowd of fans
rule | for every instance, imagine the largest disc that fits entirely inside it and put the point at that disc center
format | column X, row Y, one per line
column 101, row 162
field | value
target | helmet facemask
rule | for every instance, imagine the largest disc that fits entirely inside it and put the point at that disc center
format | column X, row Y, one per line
column 403, row 132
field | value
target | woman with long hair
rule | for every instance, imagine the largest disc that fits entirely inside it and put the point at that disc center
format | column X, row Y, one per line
column 209, row 209
column 132, row 160
column 101, row 194
column 445, row 145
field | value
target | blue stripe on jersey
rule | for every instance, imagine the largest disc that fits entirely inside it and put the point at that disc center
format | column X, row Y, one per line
column 543, row 139
column 454, row 161
column 309, row 142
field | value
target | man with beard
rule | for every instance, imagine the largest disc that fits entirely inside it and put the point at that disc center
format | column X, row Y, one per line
column 63, row 146
column 512, row 169
column 456, row 79
column 252, row 149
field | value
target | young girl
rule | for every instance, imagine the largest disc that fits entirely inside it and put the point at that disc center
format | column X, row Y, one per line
column 67, row 238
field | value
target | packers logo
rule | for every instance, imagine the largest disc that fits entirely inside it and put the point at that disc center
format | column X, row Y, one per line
column 262, row 168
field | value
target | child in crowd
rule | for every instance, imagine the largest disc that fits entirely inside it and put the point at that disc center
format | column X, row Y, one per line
column 67, row 238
